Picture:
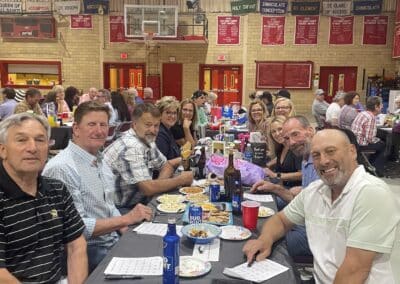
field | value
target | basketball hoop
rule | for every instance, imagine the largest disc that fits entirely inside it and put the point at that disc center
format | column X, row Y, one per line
column 148, row 37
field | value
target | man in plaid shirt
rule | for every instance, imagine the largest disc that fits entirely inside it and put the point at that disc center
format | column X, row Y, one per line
column 364, row 128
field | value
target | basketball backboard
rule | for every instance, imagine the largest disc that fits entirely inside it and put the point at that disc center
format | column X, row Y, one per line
column 145, row 20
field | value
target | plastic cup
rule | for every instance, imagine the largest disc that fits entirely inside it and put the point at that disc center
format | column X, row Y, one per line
column 250, row 214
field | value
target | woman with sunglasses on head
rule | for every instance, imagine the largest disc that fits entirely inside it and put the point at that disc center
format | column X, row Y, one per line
column 258, row 121
column 184, row 129
column 283, row 106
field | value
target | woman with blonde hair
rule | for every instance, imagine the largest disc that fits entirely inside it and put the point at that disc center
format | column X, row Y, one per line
column 129, row 98
column 184, row 129
column 62, row 105
column 258, row 121
column 283, row 106
column 165, row 140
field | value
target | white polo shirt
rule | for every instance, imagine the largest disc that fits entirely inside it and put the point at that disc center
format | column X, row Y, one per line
column 365, row 216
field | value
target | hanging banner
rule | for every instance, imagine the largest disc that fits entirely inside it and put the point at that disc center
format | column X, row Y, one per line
column 10, row 6
column 273, row 7
column 375, row 30
column 336, row 8
column 273, row 30
column 243, row 7
column 67, row 7
column 397, row 17
column 117, row 29
column 305, row 8
column 341, row 30
column 228, row 30
column 306, row 30
column 81, row 22
column 396, row 42
column 33, row 6
column 95, row 6
column 367, row 7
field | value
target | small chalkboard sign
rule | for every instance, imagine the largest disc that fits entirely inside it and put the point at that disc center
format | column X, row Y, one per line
column 259, row 154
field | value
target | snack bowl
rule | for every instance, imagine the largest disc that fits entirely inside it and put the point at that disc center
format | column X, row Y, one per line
column 202, row 233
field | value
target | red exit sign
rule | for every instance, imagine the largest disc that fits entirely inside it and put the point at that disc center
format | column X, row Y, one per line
column 123, row 55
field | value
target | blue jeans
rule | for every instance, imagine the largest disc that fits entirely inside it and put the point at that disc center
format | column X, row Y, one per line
column 96, row 255
column 297, row 242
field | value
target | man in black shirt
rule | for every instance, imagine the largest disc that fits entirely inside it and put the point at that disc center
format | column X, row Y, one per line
column 37, row 214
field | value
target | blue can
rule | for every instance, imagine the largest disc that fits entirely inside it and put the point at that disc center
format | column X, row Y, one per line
column 195, row 214
column 215, row 191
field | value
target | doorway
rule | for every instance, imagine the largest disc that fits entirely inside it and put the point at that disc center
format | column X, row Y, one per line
column 224, row 80
column 119, row 76
column 172, row 80
column 333, row 79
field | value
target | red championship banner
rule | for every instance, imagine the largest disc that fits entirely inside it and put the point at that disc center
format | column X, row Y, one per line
column 396, row 42
column 375, row 30
column 273, row 30
column 117, row 29
column 81, row 22
column 228, row 30
column 341, row 30
column 306, row 30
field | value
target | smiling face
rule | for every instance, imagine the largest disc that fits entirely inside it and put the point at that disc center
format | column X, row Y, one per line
column 276, row 132
column 356, row 99
column 200, row 101
column 25, row 149
column 91, row 133
column 257, row 112
column 169, row 117
column 187, row 111
column 334, row 158
column 282, row 108
column 297, row 137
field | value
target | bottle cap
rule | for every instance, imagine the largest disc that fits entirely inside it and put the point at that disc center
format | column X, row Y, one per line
column 171, row 220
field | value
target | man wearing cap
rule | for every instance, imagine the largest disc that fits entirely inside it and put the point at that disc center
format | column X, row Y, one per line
column 31, row 102
column 319, row 108
column 283, row 93
column 333, row 111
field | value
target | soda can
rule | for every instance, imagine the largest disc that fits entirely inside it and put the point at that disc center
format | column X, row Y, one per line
column 214, row 190
column 195, row 214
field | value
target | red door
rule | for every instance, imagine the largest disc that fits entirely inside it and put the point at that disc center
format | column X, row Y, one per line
column 119, row 76
column 172, row 80
column 333, row 79
column 224, row 80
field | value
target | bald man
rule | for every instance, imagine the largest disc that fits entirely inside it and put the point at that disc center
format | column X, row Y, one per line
column 343, row 213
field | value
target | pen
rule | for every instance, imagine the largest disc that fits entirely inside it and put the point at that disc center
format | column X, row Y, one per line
column 117, row 277
column 249, row 264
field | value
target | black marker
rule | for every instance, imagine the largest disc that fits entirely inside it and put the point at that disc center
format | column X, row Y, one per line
column 249, row 264
column 118, row 277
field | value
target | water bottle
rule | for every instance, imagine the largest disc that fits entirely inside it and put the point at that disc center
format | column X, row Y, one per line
column 171, row 254
column 237, row 198
column 248, row 153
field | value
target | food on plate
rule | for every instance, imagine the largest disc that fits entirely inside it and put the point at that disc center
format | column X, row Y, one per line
column 170, row 198
column 220, row 217
column 197, row 198
column 207, row 206
column 171, row 207
column 265, row 211
column 191, row 190
column 195, row 233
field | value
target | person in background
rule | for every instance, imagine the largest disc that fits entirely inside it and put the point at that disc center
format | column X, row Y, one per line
column 199, row 97
column 120, row 107
column 283, row 106
column 364, row 128
column 39, row 222
column 9, row 103
column 30, row 103
column 129, row 97
column 147, row 95
column 90, row 96
column 211, row 100
column 252, row 96
column 103, row 96
column 91, row 182
column 333, row 111
column 49, row 106
column 397, row 105
column 165, row 141
column 266, row 98
column 19, row 95
column 134, row 158
column 258, row 121
column 286, row 166
column 319, row 108
column 184, row 129
column 72, row 97
column 62, row 105
column 343, row 213
column 348, row 112
column 283, row 93
column 357, row 104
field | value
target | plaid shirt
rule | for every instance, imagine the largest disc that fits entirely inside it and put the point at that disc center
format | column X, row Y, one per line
column 364, row 128
column 132, row 161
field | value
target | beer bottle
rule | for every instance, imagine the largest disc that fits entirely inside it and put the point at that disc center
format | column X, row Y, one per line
column 231, row 175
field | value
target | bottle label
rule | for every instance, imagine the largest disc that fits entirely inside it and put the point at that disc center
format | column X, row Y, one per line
column 236, row 203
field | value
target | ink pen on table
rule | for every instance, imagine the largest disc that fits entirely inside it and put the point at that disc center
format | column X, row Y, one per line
column 249, row 264
column 119, row 277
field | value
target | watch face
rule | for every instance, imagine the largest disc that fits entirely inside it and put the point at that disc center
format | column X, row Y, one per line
column 275, row 180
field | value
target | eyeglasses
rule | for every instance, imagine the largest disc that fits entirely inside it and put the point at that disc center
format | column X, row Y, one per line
column 187, row 110
column 283, row 107
column 171, row 113
column 257, row 110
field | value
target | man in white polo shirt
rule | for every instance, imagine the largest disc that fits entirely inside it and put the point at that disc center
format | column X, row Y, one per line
column 351, row 218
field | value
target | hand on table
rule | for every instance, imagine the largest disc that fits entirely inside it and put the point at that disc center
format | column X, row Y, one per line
column 256, row 248
column 139, row 213
column 262, row 186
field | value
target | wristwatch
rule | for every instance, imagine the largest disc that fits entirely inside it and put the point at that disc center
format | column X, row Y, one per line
column 276, row 179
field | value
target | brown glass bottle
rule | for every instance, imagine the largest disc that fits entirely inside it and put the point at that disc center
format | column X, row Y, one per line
column 231, row 175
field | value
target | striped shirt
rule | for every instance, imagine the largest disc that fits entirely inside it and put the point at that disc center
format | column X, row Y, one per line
column 91, row 183
column 33, row 230
column 132, row 161
column 364, row 128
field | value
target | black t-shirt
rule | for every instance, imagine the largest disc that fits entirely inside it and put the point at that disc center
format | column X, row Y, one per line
column 166, row 143
column 178, row 133
column 290, row 164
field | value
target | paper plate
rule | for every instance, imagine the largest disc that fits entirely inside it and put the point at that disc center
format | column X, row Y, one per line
column 265, row 212
column 234, row 233
column 193, row 267
column 200, row 183
column 171, row 198
column 197, row 198
column 171, row 207
column 191, row 190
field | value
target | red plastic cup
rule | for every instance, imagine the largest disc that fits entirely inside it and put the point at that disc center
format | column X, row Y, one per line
column 250, row 214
